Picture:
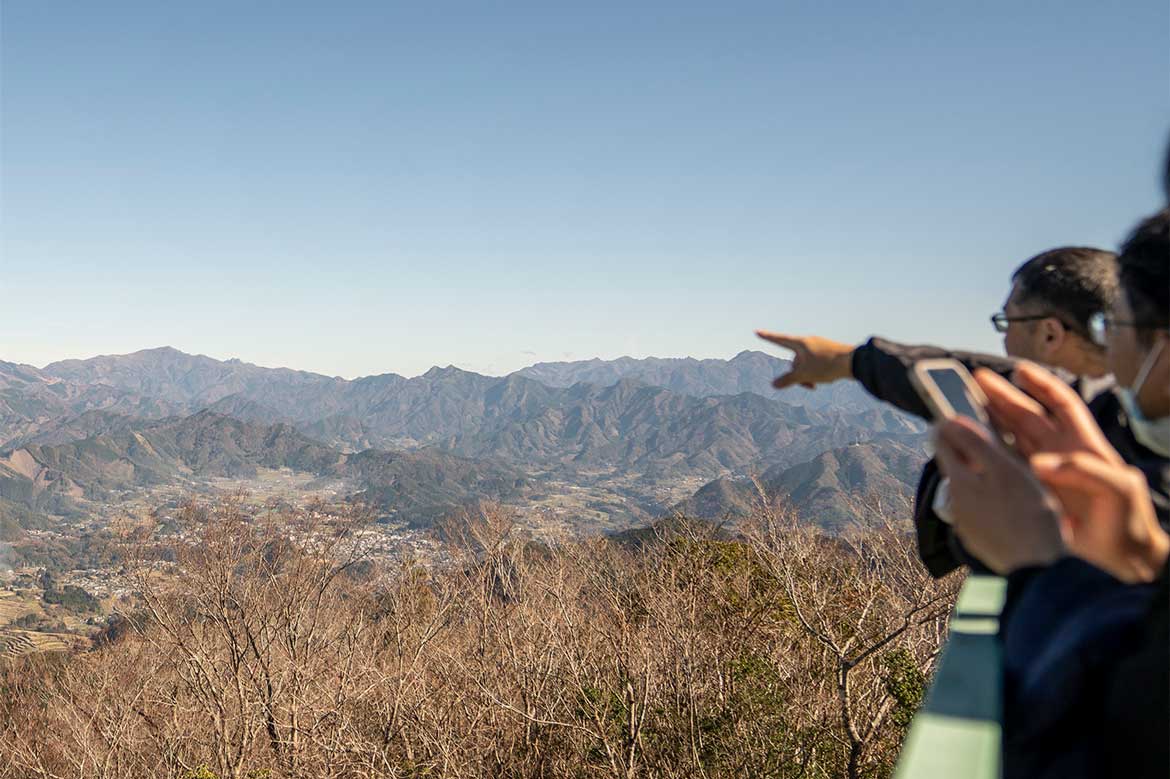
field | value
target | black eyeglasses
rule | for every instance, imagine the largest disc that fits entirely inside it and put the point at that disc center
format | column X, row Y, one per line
column 1101, row 323
column 1000, row 321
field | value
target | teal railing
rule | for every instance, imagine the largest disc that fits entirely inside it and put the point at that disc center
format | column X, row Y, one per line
column 957, row 732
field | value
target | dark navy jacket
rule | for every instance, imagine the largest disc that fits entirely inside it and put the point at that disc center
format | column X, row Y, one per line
column 1083, row 653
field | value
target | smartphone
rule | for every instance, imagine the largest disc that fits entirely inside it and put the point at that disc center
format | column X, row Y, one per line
column 948, row 390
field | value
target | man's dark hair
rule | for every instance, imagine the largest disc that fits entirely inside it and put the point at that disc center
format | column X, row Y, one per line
column 1144, row 265
column 1075, row 281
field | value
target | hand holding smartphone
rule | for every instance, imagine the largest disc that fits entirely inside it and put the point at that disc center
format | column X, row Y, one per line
column 948, row 390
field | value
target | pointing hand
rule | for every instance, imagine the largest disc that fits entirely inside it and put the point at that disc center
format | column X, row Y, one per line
column 815, row 360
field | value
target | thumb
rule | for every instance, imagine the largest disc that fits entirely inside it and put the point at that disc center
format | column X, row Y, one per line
column 1080, row 469
column 969, row 442
column 787, row 380
column 1084, row 472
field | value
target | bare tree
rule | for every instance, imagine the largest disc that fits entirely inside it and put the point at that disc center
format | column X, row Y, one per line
column 692, row 652
column 860, row 596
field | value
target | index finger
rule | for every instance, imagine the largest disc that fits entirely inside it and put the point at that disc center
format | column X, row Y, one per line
column 788, row 380
column 1067, row 406
column 1059, row 398
column 790, row 342
column 1013, row 410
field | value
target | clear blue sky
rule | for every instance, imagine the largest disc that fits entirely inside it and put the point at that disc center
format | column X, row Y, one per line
column 362, row 187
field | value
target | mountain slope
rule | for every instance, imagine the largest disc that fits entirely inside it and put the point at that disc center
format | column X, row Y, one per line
column 32, row 401
column 651, row 429
column 57, row 479
column 832, row 489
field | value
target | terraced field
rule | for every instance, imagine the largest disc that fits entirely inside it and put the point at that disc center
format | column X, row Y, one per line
column 14, row 643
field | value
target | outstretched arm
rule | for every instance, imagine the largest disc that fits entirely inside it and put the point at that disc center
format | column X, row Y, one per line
column 882, row 367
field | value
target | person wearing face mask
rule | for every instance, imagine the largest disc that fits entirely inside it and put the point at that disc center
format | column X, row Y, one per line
column 1085, row 633
column 1086, row 626
column 1136, row 331
column 1154, row 434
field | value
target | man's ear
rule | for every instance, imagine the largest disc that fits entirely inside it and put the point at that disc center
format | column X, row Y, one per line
column 1052, row 335
column 1053, row 331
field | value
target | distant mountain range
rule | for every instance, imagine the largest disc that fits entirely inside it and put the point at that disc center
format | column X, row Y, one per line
column 387, row 410
column 80, row 427
column 748, row 371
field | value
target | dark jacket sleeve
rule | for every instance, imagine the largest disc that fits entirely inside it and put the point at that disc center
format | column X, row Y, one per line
column 934, row 535
column 883, row 368
column 1086, row 674
column 938, row 546
column 1132, row 720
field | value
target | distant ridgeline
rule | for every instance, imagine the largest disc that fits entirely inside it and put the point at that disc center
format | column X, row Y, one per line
column 80, row 430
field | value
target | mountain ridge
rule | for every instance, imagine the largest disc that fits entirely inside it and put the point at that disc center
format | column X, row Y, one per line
column 633, row 428
column 447, row 406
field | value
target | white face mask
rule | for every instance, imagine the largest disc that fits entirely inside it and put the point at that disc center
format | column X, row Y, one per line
column 1154, row 434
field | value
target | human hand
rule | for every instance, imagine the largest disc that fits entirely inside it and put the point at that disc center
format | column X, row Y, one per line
column 1109, row 519
column 815, row 360
column 1000, row 512
column 1043, row 414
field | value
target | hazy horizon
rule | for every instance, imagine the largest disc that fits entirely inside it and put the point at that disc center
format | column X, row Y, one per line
column 42, row 366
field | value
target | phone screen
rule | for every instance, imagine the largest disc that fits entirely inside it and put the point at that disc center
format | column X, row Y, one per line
column 950, row 383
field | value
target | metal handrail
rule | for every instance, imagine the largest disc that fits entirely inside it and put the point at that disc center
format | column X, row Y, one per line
column 957, row 733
